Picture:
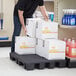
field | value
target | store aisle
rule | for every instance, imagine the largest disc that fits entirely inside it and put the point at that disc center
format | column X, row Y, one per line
column 9, row 68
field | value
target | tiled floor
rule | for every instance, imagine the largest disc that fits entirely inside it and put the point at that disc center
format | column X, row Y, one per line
column 9, row 68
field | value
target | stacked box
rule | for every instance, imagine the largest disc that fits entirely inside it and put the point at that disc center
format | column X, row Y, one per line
column 51, row 49
column 39, row 28
column 25, row 45
column 31, row 26
column 42, row 40
column 47, row 29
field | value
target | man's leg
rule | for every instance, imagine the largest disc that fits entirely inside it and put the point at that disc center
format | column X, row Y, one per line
column 17, row 30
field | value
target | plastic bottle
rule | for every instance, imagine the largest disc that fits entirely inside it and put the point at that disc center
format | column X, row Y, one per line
column 75, row 16
column 72, row 49
column 52, row 17
column 63, row 18
column 66, row 17
column 69, row 17
column 68, row 46
column 65, row 39
column 72, row 18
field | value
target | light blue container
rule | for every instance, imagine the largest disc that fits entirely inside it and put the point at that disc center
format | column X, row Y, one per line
column 51, row 17
column 72, row 18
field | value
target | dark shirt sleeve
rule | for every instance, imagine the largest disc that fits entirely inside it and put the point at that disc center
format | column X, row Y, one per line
column 41, row 2
column 21, row 5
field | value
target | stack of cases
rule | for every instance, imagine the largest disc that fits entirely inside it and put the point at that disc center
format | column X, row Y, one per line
column 48, row 45
column 27, row 45
column 41, row 47
column 42, row 40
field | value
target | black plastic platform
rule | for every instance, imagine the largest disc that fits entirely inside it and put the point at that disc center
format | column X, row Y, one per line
column 33, row 61
column 71, row 63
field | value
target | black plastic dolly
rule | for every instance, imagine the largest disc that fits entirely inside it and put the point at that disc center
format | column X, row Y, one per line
column 71, row 63
column 33, row 61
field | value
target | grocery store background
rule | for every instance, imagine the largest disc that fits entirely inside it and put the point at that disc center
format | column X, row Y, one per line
column 8, row 67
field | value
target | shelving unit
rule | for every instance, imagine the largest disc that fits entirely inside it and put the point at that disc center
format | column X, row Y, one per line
column 7, row 15
column 64, row 31
column 60, row 5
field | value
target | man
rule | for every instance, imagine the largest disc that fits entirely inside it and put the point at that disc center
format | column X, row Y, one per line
column 25, row 9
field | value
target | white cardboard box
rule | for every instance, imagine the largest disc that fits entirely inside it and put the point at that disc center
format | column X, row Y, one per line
column 37, row 14
column 31, row 26
column 47, row 29
column 51, row 49
column 25, row 45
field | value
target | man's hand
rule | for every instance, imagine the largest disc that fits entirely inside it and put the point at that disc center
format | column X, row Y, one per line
column 43, row 11
column 25, row 29
column 46, row 18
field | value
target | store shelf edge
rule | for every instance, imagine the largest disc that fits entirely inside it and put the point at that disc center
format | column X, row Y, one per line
column 67, row 27
column 5, row 44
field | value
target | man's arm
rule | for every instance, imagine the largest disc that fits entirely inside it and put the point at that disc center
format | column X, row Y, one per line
column 20, row 13
column 43, row 11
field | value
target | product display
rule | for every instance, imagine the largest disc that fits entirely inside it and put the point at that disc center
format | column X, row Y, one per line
column 69, row 17
column 47, row 29
column 25, row 45
column 51, row 49
column 70, row 48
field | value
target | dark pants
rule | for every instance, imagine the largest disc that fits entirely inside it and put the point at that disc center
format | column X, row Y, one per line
column 17, row 30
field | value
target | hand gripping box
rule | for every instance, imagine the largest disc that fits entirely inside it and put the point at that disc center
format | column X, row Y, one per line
column 47, row 29
column 31, row 26
column 51, row 49
column 25, row 45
